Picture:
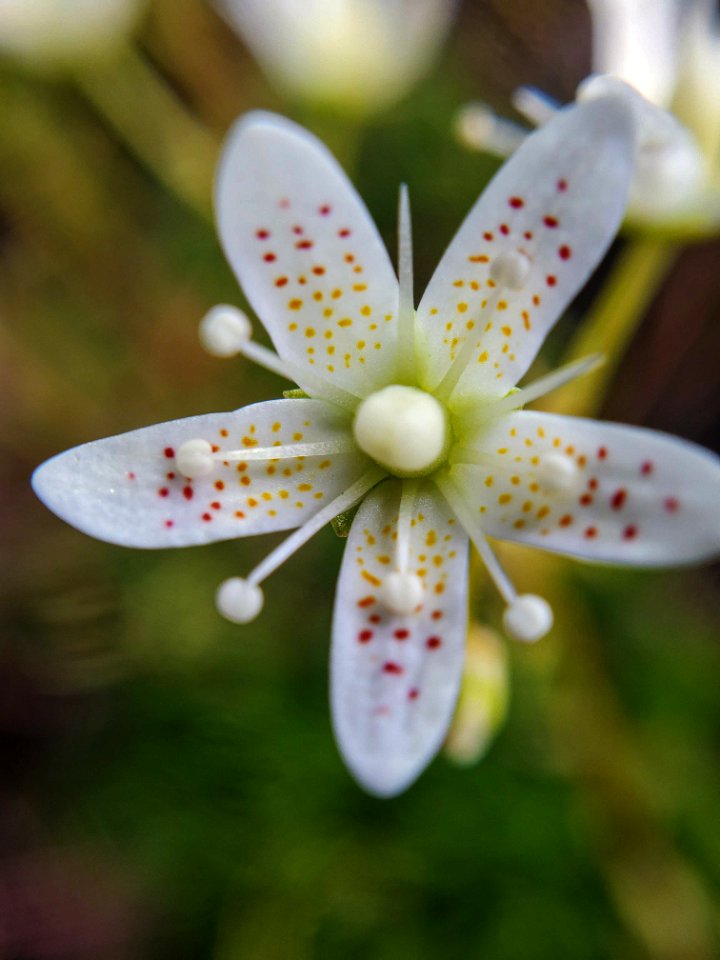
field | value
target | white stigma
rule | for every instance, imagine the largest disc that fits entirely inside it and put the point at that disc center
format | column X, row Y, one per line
column 557, row 473
column 224, row 330
column 194, row 458
column 402, row 592
column 528, row 618
column 511, row 269
column 239, row 601
column 403, row 429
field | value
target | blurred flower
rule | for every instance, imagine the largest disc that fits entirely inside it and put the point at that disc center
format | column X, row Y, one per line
column 414, row 414
column 667, row 52
column 59, row 31
column 354, row 56
column 483, row 699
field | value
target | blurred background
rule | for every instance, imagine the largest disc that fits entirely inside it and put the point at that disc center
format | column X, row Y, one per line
column 170, row 787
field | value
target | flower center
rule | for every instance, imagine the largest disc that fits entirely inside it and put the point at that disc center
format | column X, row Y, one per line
column 403, row 429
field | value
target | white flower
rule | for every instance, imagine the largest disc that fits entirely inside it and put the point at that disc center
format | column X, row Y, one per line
column 354, row 55
column 663, row 56
column 64, row 30
column 413, row 415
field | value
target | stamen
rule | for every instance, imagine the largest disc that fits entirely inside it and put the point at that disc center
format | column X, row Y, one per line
column 511, row 269
column 194, row 458
column 558, row 473
column 548, row 383
column 537, row 107
column 402, row 592
column 293, row 543
column 477, row 127
column 445, row 388
column 406, row 306
column 474, row 530
column 239, row 601
column 527, row 617
column 225, row 331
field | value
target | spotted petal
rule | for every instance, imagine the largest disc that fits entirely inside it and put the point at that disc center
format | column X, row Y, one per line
column 127, row 489
column 639, row 496
column 558, row 202
column 395, row 678
column 306, row 252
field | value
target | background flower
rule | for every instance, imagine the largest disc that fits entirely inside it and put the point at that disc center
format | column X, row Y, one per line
column 348, row 55
column 51, row 31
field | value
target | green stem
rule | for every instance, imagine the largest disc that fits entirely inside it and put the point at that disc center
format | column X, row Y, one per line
column 154, row 125
column 612, row 323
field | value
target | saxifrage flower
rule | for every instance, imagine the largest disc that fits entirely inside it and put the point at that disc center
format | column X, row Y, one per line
column 412, row 414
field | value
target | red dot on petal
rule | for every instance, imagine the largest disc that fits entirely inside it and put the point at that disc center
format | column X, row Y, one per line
column 365, row 636
column 647, row 468
column 344, row 232
column 436, row 614
column 550, row 280
column 671, row 504
column 602, row 453
column 262, row 234
column 391, row 667
column 551, row 222
column 401, row 634
column 375, row 618
column 206, row 517
column 432, row 643
column 564, row 252
column 586, row 499
column 170, row 476
column 269, row 257
column 413, row 694
column 169, row 452
column 591, row 533
column 163, row 492
column 504, row 229
column 488, row 236
column 592, row 483
column 169, row 523
column 188, row 493
column 516, row 202
column 131, row 476
column 366, row 602
column 617, row 501
column 325, row 210
column 562, row 185
column 630, row 532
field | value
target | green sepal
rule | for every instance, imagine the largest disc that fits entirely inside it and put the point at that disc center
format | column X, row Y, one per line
column 343, row 521
column 295, row 395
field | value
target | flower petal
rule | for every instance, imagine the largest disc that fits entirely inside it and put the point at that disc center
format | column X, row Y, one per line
column 306, row 252
column 638, row 496
column 557, row 202
column 395, row 678
column 127, row 489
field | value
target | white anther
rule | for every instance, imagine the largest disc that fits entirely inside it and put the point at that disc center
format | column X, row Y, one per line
column 239, row 601
column 194, row 458
column 224, row 330
column 402, row 592
column 477, row 127
column 557, row 473
column 511, row 269
column 403, row 429
column 528, row 618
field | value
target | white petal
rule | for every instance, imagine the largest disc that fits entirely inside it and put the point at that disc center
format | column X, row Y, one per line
column 639, row 496
column 306, row 252
column 395, row 679
column 128, row 490
column 558, row 201
column 636, row 40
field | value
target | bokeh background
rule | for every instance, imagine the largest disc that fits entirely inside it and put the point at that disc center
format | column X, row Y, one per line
column 170, row 787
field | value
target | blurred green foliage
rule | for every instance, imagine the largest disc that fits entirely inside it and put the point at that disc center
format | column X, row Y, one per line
column 188, row 763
